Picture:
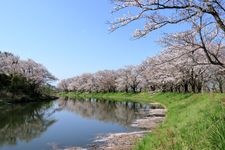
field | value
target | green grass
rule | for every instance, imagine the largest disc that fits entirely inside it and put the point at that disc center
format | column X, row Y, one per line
column 193, row 121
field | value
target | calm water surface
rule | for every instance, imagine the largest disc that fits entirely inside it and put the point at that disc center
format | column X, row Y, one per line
column 63, row 123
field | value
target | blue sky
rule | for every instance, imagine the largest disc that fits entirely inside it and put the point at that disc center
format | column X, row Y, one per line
column 71, row 37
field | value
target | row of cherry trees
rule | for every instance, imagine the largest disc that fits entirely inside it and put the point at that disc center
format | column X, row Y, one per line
column 126, row 79
column 174, row 69
column 22, row 77
column 192, row 60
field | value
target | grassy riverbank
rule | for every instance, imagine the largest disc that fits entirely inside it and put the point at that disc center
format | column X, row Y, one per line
column 193, row 121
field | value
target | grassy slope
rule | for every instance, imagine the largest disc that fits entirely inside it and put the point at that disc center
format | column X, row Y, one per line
column 191, row 121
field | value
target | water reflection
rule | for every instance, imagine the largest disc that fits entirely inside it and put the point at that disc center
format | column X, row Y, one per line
column 64, row 122
column 23, row 122
column 108, row 111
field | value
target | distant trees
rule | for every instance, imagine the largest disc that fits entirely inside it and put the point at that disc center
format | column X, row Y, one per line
column 102, row 81
column 20, row 77
column 174, row 70
column 128, row 79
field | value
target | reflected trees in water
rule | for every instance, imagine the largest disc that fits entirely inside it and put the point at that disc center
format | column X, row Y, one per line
column 23, row 122
column 108, row 111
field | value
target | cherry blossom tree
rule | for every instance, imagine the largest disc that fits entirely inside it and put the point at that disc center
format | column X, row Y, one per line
column 129, row 79
column 83, row 83
column 101, row 81
column 35, row 72
column 63, row 85
column 105, row 81
column 159, row 13
column 22, row 76
column 122, row 82
column 204, row 20
column 134, row 79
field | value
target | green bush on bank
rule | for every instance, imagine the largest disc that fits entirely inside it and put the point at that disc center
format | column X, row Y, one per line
column 17, row 88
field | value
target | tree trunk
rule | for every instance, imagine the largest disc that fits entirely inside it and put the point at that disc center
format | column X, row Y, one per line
column 133, row 89
column 193, row 85
column 199, row 88
column 152, row 87
column 193, row 82
column 126, row 89
column 164, row 88
column 171, row 88
column 221, row 87
column 186, row 87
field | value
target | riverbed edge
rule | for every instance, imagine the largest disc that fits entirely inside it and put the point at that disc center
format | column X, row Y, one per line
column 187, row 112
column 110, row 141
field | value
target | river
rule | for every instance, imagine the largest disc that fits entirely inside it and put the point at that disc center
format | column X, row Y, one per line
column 64, row 123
